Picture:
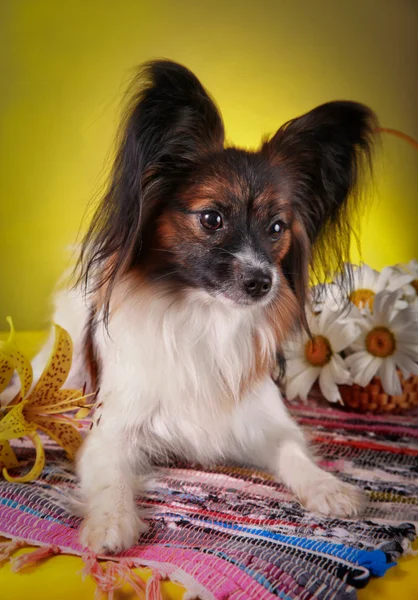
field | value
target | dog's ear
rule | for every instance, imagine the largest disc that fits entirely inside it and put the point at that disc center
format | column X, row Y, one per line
column 321, row 157
column 171, row 124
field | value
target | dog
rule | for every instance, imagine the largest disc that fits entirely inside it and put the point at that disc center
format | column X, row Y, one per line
column 191, row 276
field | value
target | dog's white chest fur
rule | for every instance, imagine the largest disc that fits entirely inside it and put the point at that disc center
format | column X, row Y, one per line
column 175, row 368
column 171, row 375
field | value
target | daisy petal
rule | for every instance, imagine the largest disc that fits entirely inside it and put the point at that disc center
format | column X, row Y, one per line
column 400, row 305
column 369, row 371
column 330, row 296
column 327, row 385
column 363, row 366
column 408, row 336
column 385, row 274
column 353, row 313
column 367, row 278
column 405, row 362
column 356, row 361
column 326, row 320
column 398, row 281
column 339, row 370
column 341, row 336
column 359, row 345
column 383, row 306
column 403, row 320
column 294, row 346
column 301, row 384
column 390, row 378
column 410, row 349
column 294, row 366
column 365, row 323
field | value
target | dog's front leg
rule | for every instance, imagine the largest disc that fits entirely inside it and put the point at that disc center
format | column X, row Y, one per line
column 267, row 435
column 109, row 465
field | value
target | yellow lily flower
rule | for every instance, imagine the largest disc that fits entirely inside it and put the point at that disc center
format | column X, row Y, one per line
column 11, row 360
column 43, row 408
column 8, row 458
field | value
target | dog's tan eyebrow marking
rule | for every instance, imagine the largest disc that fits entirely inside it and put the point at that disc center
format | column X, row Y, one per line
column 216, row 202
column 270, row 197
column 268, row 206
column 200, row 204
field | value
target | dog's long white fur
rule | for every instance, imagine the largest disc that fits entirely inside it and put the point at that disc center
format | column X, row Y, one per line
column 170, row 384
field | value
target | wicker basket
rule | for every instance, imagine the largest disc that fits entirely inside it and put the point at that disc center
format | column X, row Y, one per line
column 373, row 398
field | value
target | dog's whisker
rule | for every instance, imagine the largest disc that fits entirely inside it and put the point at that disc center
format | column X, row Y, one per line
column 163, row 250
column 167, row 275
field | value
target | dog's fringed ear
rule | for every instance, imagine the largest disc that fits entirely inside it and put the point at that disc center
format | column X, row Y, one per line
column 171, row 124
column 321, row 157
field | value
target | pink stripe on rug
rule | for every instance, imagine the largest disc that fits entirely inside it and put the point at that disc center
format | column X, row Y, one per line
column 343, row 416
column 220, row 577
column 357, row 427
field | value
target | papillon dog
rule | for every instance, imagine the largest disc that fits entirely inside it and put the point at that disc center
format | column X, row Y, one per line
column 193, row 273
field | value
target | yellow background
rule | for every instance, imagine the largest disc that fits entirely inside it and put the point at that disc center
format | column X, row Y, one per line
column 65, row 65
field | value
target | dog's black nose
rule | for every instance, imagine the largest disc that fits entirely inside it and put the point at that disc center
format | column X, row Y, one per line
column 257, row 283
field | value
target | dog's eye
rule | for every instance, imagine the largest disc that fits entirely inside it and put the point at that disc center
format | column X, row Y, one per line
column 276, row 229
column 211, row 220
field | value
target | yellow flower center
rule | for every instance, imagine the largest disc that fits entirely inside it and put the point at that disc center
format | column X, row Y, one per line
column 318, row 351
column 415, row 285
column 362, row 297
column 380, row 342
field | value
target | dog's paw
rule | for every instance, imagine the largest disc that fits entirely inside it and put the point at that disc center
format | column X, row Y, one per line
column 331, row 497
column 111, row 532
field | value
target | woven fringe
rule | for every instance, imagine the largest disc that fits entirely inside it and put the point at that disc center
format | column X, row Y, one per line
column 153, row 589
column 7, row 548
column 32, row 558
column 111, row 575
column 193, row 589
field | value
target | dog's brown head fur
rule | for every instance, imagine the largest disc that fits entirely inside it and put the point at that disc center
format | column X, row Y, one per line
column 240, row 226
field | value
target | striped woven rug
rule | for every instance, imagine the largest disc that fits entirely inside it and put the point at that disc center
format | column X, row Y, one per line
column 232, row 532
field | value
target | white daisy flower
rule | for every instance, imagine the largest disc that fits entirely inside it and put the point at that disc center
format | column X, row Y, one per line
column 412, row 269
column 366, row 283
column 410, row 291
column 310, row 358
column 388, row 341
